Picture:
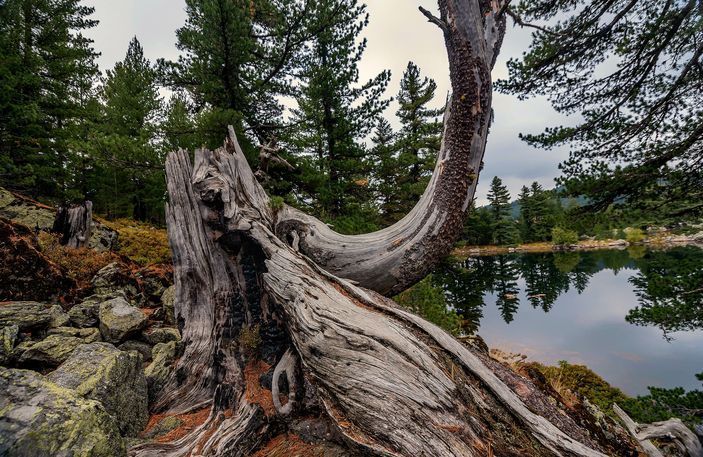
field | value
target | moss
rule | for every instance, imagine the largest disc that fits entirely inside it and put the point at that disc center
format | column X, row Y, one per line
column 143, row 243
column 80, row 264
column 250, row 338
column 276, row 203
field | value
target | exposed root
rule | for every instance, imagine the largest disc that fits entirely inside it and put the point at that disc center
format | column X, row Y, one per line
column 286, row 365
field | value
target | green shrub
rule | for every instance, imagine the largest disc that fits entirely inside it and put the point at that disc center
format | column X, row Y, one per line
column 276, row 202
column 633, row 235
column 561, row 236
column 141, row 242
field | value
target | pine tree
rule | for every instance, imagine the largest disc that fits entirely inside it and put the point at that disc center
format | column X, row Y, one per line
column 385, row 173
column 47, row 70
column 504, row 230
column 129, row 167
column 178, row 127
column 527, row 217
column 419, row 138
column 237, row 58
column 334, row 114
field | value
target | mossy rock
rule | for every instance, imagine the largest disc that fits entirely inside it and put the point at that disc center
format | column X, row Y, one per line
column 88, row 335
column 114, row 278
column 158, row 371
column 85, row 314
column 141, row 347
column 59, row 317
column 8, row 338
column 119, row 320
column 168, row 298
column 100, row 371
column 26, row 315
column 162, row 335
column 52, row 351
column 41, row 419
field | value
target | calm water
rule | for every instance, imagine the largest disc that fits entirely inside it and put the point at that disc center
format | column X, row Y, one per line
column 633, row 316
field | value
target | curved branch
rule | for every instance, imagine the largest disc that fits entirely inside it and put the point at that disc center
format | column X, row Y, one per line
column 392, row 259
column 285, row 365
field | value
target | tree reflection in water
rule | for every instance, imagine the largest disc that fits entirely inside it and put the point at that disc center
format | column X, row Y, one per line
column 668, row 283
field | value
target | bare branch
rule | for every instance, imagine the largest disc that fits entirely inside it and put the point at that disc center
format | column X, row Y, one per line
column 434, row 19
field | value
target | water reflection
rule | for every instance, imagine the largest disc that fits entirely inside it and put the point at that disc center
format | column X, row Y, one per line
column 668, row 284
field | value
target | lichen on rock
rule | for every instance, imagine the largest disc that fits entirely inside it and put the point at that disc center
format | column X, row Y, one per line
column 101, row 372
column 41, row 419
column 119, row 320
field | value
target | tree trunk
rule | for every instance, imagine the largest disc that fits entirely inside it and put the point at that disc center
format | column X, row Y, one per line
column 286, row 357
column 74, row 223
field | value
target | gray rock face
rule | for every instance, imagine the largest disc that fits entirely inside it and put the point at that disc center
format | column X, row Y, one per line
column 40, row 419
column 59, row 317
column 119, row 320
column 167, row 300
column 85, row 314
column 26, row 315
column 159, row 369
column 162, row 335
column 52, row 351
column 8, row 338
column 111, row 280
column 101, row 372
column 88, row 335
column 141, row 347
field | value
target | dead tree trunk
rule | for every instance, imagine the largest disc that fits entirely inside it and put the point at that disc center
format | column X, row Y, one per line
column 74, row 223
column 265, row 310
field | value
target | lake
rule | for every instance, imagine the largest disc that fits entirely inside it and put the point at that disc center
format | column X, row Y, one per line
column 634, row 316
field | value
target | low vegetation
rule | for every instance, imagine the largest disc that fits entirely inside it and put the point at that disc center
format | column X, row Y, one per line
column 141, row 242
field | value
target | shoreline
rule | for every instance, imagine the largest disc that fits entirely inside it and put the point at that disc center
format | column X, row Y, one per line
column 660, row 242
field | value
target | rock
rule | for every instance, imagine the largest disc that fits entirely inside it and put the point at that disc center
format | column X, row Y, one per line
column 26, row 273
column 40, row 419
column 59, row 318
column 164, row 354
column 8, row 338
column 88, row 335
column 26, row 315
column 100, row 371
column 154, row 280
column 162, row 335
column 114, row 278
column 133, row 345
column 50, row 352
column 119, row 320
column 168, row 298
column 33, row 214
column 85, row 314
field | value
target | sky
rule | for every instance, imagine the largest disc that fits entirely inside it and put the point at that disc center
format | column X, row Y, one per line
column 397, row 33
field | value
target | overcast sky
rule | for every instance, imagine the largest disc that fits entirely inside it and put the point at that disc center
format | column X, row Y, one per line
column 397, row 33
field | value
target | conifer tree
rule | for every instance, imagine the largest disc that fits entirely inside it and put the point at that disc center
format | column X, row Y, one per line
column 526, row 215
column 504, row 230
column 385, row 173
column 419, row 138
column 129, row 167
column 178, row 126
column 47, row 70
column 335, row 113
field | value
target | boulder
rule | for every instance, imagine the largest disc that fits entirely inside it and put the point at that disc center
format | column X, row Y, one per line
column 41, row 419
column 59, row 317
column 133, row 345
column 168, row 299
column 162, row 335
column 116, row 278
column 164, row 354
column 8, row 338
column 26, row 315
column 154, row 280
column 100, row 371
column 119, row 320
column 27, row 274
column 85, row 314
column 88, row 335
column 52, row 351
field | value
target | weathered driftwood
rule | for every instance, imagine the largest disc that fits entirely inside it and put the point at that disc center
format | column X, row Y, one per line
column 74, row 223
column 670, row 430
column 632, row 427
column 261, row 292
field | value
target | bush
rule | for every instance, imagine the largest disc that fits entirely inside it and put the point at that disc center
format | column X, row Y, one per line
column 633, row 235
column 561, row 236
column 141, row 242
